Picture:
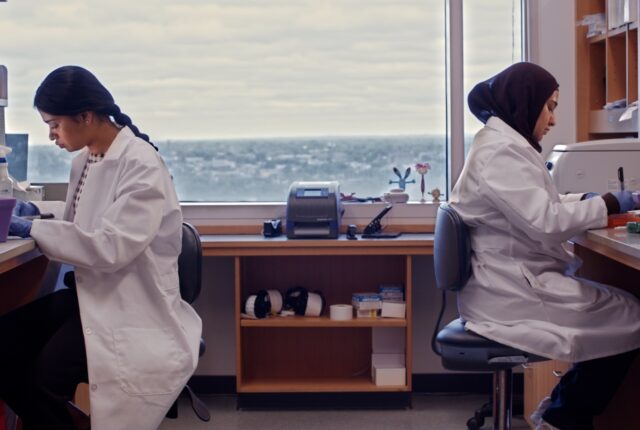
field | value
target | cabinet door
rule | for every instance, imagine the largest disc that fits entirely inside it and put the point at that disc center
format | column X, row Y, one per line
column 539, row 380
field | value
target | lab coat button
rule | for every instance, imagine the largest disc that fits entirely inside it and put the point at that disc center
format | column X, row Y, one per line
column 94, row 387
column 88, row 330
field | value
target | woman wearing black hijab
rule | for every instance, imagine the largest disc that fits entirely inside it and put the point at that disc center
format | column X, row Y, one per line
column 522, row 291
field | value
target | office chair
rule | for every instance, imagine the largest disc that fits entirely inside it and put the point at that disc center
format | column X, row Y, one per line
column 461, row 349
column 190, row 274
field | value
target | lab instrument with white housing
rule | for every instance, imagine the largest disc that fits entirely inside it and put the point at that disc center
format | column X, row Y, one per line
column 593, row 166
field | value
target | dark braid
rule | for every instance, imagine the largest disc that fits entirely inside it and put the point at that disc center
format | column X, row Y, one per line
column 123, row 119
column 70, row 90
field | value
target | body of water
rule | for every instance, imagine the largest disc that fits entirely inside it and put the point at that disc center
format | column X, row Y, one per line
column 262, row 169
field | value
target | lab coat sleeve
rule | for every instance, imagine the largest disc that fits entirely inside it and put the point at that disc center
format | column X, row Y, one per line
column 126, row 227
column 516, row 185
column 571, row 197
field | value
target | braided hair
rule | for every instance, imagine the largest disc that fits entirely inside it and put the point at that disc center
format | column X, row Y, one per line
column 71, row 90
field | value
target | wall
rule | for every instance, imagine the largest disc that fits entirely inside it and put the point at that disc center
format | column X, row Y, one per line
column 552, row 43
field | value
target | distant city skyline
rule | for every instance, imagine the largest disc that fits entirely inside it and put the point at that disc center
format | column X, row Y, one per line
column 203, row 69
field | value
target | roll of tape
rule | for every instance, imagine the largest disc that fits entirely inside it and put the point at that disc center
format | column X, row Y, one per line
column 249, row 305
column 275, row 297
column 341, row 312
column 258, row 305
column 315, row 304
column 296, row 300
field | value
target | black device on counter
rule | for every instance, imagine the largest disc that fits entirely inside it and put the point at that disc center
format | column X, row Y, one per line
column 272, row 228
column 373, row 230
column 314, row 210
column 351, row 232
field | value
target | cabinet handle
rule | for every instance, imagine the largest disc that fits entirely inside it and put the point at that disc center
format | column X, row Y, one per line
column 557, row 373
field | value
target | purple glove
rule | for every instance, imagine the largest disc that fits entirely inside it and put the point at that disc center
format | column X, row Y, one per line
column 25, row 208
column 20, row 227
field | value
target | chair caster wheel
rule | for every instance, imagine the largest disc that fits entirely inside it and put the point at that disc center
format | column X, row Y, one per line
column 473, row 424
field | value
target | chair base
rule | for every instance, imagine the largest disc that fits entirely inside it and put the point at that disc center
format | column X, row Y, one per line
column 477, row 421
column 500, row 406
column 198, row 406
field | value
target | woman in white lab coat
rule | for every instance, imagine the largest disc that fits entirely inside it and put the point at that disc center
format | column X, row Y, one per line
column 121, row 229
column 523, row 292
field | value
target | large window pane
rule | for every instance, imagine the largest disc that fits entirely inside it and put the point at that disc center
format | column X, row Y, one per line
column 244, row 97
column 492, row 41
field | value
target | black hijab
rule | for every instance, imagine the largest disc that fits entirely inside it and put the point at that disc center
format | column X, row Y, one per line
column 516, row 95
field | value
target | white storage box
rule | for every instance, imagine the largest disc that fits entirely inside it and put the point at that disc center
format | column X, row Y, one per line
column 393, row 309
column 388, row 369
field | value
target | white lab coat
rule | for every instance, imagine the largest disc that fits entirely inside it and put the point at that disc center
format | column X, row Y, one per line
column 141, row 338
column 523, row 291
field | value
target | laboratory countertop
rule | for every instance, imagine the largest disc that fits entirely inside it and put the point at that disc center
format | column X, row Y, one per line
column 618, row 238
column 615, row 243
column 16, row 251
column 238, row 245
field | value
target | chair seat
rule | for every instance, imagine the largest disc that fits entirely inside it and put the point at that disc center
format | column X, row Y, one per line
column 464, row 350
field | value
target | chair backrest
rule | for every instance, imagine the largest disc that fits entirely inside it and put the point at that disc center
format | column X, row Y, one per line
column 452, row 250
column 190, row 263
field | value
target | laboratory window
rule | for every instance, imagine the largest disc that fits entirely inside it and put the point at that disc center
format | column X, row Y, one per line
column 243, row 98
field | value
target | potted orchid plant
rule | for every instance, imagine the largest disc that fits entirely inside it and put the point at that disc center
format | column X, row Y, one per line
column 422, row 169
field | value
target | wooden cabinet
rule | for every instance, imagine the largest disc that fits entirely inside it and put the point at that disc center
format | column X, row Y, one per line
column 606, row 72
column 316, row 354
column 539, row 380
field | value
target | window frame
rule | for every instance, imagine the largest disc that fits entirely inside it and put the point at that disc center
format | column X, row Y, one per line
column 413, row 213
column 238, row 214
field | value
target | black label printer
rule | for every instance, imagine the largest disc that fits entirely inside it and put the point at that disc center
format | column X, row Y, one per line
column 314, row 210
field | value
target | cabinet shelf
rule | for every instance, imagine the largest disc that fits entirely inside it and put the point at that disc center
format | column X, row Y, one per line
column 597, row 39
column 323, row 321
column 620, row 31
column 360, row 383
column 606, row 71
column 316, row 354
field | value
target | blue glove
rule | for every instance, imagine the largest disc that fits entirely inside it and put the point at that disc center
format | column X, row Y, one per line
column 25, row 208
column 625, row 200
column 20, row 227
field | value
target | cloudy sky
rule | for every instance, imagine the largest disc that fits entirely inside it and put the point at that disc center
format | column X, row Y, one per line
column 198, row 69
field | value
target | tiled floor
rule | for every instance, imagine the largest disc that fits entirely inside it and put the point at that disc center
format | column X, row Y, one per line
column 429, row 412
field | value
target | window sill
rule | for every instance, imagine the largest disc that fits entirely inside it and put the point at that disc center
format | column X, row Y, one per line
column 247, row 218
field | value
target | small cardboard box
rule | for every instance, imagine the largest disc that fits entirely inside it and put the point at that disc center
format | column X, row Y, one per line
column 388, row 369
column 393, row 309
column 366, row 301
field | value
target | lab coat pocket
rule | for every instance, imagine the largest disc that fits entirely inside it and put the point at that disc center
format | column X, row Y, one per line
column 529, row 277
column 149, row 361
column 562, row 293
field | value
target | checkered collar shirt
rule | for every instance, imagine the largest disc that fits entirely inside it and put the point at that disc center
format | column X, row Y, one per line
column 92, row 159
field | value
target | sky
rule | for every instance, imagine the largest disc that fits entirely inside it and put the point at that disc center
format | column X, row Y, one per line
column 201, row 69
